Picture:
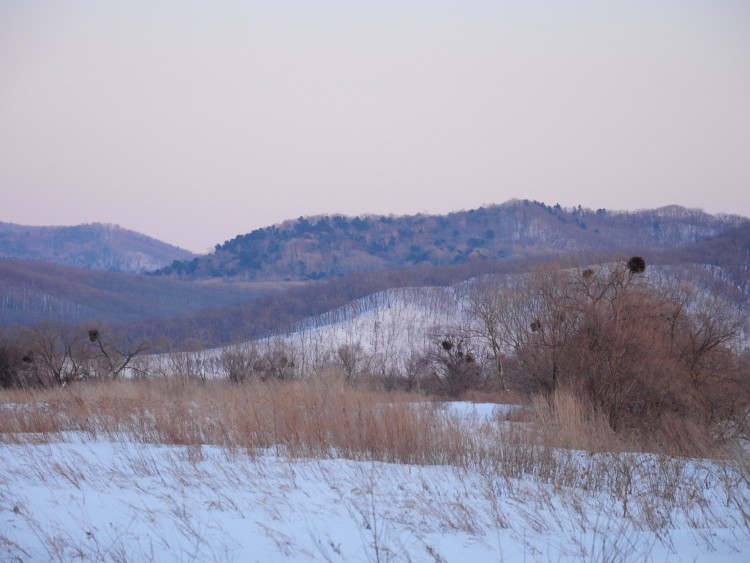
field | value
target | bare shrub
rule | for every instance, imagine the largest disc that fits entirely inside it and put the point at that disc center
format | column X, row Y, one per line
column 53, row 354
column 239, row 361
column 193, row 360
column 415, row 366
column 278, row 361
column 14, row 362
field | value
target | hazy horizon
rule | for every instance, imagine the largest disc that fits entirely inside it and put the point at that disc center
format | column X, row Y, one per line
column 193, row 122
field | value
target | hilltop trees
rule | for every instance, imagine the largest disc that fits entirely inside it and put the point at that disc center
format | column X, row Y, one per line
column 327, row 247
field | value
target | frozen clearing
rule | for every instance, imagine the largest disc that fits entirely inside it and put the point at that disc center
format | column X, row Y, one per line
column 95, row 499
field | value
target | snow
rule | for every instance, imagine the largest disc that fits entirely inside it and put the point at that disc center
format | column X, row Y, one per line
column 467, row 409
column 387, row 327
column 84, row 497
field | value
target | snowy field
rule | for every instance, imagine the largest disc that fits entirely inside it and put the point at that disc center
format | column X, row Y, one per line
column 94, row 498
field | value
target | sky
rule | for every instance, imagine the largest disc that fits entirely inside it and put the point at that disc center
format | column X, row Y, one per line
column 195, row 121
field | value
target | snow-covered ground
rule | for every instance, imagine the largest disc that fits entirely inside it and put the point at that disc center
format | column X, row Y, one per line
column 83, row 497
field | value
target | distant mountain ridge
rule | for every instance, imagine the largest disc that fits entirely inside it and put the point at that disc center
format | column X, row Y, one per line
column 330, row 246
column 94, row 246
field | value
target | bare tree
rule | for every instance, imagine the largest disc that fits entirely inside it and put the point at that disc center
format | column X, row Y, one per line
column 353, row 359
column 415, row 366
column 535, row 319
column 56, row 353
column 453, row 365
column 487, row 301
column 240, row 361
column 112, row 355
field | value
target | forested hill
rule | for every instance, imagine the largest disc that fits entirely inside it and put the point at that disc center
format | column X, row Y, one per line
column 330, row 246
column 94, row 246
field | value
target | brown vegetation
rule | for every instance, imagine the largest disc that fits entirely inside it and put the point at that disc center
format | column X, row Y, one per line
column 312, row 418
column 653, row 361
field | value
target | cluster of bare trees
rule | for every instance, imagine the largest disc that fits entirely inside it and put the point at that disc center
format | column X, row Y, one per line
column 275, row 360
column 49, row 354
column 638, row 352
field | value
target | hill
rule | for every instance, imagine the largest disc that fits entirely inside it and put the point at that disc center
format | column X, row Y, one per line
column 96, row 246
column 326, row 247
column 33, row 291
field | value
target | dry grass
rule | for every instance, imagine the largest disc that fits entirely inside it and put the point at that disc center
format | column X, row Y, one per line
column 323, row 417
column 327, row 417
column 563, row 420
column 308, row 418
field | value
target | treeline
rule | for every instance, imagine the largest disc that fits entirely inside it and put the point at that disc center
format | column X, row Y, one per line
column 20, row 304
column 97, row 245
column 323, row 247
column 276, row 314
column 32, row 291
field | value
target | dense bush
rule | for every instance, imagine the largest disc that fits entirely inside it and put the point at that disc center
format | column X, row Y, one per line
column 275, row 360
column 645, row 356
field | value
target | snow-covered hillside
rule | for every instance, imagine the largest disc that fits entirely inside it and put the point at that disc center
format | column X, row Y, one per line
column 388, row 327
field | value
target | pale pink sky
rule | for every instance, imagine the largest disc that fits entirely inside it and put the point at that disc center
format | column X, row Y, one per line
column 194, row 121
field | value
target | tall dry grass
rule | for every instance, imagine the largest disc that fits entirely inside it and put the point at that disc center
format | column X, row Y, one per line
column 564, row 420
column 322, row 417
